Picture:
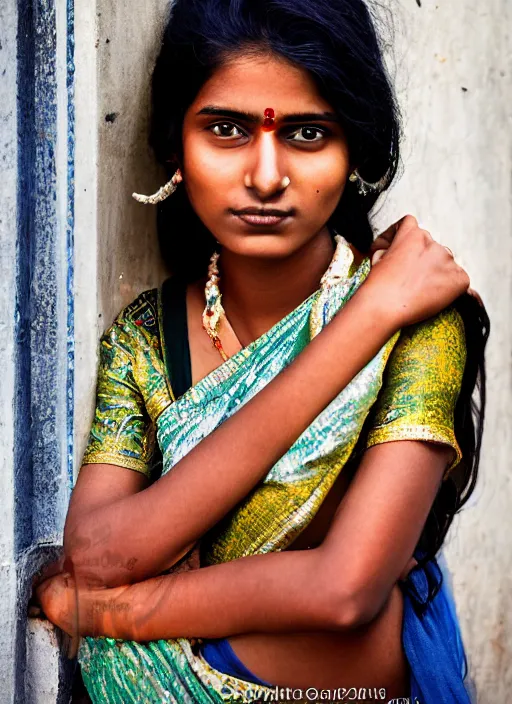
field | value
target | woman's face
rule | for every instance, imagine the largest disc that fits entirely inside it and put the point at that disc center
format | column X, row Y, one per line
column 232, row 161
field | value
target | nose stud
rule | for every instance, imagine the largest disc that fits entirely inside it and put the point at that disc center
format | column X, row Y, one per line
column 285, row 182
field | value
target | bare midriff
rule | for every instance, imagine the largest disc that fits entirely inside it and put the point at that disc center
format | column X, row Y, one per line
column 368, row 657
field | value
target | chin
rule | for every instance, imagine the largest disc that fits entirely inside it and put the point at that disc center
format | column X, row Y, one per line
column 263, row 246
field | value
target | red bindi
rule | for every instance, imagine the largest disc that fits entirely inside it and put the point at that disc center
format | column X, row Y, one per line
column 269, row 121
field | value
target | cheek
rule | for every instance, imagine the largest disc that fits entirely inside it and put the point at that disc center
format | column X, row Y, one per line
column 323, row 189
column 207, row 170
column 326, row 177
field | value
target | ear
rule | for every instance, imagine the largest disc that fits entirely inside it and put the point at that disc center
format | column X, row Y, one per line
column 173, row 163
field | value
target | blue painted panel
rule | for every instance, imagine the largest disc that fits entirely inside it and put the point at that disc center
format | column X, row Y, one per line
column 44, row 297
column 70, row 238
column 46, row 374
column 44, row 359
column 23, row 460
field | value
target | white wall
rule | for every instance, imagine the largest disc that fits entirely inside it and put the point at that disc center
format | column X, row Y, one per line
column 457, row 181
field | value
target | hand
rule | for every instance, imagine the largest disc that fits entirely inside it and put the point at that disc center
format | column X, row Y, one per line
column 34, row 607
column 80, row 610
column 416, row 277
column 382, row 243
column 57, row 598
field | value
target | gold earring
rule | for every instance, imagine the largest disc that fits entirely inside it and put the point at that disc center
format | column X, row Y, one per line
column 162, row 193
column 365, row 187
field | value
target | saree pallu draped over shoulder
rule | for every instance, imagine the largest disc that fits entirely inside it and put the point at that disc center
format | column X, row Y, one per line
column 270, row 517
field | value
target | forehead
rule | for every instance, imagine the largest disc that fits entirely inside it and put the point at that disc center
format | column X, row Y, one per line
column 255, row 83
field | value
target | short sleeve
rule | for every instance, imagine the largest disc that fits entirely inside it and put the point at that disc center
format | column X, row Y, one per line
column 122, row 432
column 422, row 383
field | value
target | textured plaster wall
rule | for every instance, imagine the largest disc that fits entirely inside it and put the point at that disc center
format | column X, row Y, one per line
column 8, row 211
column 116, row 252
column 454, row 68
column 128, row 253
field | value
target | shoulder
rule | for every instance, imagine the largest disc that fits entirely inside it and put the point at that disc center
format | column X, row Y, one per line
column 430, row 357
column 440, row 339
column 142, row 312
column 136, row 322
column 422, row 382
column 131, row 350
column 447, row 322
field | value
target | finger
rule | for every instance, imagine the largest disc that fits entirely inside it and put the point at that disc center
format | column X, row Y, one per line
column 379, row 243
column 404, row 224
column 428, row 237
column 385, row 238
column 42, row 589
column 462, row 278
column 378, row 256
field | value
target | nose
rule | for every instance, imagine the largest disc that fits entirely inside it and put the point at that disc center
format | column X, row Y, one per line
column 265, row 176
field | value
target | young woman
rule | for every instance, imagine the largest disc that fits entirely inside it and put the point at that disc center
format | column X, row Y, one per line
column 294, row 418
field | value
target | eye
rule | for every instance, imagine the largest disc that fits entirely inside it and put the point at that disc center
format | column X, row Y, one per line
column 226, row 130
column 308, row 134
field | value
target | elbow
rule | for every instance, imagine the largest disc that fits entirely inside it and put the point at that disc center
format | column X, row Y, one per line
column 348, row 601
column 356, row 607
column 348, row 610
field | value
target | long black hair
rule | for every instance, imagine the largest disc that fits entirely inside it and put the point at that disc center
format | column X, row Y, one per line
column 337, row 43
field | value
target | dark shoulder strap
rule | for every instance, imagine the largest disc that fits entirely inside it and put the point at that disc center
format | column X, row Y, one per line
column 175, row 333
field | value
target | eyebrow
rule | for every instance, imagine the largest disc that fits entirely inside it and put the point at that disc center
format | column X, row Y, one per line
column 255, row 119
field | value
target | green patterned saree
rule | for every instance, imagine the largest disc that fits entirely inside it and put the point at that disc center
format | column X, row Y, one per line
column 408, row 391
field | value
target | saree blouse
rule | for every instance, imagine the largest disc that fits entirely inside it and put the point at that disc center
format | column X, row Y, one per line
column 421, row 385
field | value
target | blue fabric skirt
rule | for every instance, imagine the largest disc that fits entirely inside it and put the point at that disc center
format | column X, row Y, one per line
column 431, row 639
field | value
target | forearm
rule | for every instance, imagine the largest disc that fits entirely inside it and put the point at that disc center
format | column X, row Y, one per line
column 153, row 527
column 278, row 592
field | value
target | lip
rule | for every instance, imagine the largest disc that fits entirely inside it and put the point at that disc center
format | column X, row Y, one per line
column 262, row 217
column 262, row 220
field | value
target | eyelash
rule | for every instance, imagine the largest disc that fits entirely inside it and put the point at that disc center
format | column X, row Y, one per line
column 321, row 130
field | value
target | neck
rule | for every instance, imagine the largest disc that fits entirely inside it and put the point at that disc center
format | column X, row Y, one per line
column 258, row 293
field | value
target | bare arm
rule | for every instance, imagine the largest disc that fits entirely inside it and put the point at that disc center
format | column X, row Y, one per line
column 185, row 503
column 340, row 585
column 223, row 468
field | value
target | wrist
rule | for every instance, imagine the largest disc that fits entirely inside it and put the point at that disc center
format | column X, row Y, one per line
column 105, row 612
column 369, row 303
column 145, row 609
